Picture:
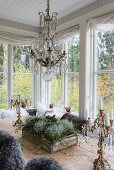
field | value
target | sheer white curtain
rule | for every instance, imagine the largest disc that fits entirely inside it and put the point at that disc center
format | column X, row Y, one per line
column 67, row 33
column 102, row 23
column 13, row 38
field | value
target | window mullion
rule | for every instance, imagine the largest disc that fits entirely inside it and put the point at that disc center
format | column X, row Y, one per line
column 94, row 74
column 10, row 74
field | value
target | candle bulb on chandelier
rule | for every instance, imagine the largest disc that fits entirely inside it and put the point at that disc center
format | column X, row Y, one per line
column 101, row 104
column 111, row 114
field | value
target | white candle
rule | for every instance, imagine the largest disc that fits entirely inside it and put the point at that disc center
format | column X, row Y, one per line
column 101, row 104
column 18, row 98
column 11, row 97
column 64, row 47
column 107, row 120
column 18, row 92
column 111, row 114
column 26, row 96
column 86, row 115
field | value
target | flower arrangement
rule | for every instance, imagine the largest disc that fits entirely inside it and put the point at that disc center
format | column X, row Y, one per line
column 51, row 105
column 68, row 108
column 49, row 128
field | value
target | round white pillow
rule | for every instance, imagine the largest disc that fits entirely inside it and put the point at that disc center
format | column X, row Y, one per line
column 41, row 110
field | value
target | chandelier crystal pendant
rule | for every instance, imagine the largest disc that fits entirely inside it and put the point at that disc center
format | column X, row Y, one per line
column 49, row 52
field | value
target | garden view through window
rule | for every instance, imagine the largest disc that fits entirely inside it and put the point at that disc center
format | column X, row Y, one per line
column 22, row 72
column 105, row 69
column 3, row 75
column 72, row 75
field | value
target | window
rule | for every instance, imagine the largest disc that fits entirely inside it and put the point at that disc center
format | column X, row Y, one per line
column 104, row 71
column 22, row 72
column 72, row 75
column 56, row 91
column 3, row 76
column 69, row 81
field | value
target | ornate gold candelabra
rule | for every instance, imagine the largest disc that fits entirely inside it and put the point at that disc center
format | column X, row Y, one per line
column 18, row 103
column 100, row 122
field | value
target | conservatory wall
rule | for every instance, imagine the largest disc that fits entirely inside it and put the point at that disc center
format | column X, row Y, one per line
column 40, row 90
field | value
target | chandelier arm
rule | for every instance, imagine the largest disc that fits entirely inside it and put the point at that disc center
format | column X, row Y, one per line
column 57, row 61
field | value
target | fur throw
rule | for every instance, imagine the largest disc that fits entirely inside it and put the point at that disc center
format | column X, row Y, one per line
column 11, row 157
column 43, row 163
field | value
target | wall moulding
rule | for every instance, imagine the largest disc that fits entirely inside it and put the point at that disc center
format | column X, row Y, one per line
column 85, row 17
column 17, row 27
column 89, row 8
column 18, row 31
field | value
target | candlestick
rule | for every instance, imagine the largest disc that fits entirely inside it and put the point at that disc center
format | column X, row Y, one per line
column 105, row 130
column 101, row 104
column 111, row 114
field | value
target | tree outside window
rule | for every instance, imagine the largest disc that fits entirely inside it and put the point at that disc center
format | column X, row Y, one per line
column 105, row 69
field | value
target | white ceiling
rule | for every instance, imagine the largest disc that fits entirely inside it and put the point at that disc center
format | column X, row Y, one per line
column 26, row 11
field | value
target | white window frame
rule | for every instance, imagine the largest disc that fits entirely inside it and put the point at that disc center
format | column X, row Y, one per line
column 10, row 74
column 63, row 88
column 6, row 72
column 95, row 72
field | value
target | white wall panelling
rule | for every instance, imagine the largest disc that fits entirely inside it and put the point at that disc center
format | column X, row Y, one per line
column 82, row 71
column 27, row 11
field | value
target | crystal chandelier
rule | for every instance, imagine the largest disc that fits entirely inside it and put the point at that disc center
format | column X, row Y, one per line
column 49, row 53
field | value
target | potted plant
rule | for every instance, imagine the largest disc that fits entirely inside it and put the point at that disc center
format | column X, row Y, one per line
column 51, row 105
column 68, row 109
column 50, row 133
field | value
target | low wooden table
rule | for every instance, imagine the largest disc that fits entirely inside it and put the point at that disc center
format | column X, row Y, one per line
column 74, row 158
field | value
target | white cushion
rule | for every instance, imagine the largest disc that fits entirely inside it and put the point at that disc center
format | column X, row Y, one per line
column 41, row 109
column 7, row 113
column 24, row 112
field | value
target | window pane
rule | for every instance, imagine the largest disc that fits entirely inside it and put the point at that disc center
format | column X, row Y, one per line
column 22, row 68
column 73, row 54
column 23, row 82
column 105, row 50
column 3, row 57
column 105, row 90
column 56, row 91
column 73, row 92
column 22, row 63
column 3, row 91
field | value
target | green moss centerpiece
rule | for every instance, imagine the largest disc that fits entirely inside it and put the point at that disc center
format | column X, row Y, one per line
column 50, row 133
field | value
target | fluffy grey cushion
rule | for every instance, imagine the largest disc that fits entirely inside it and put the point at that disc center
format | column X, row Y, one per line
column 11, row 157
column 43, row 163
column 78, row 122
